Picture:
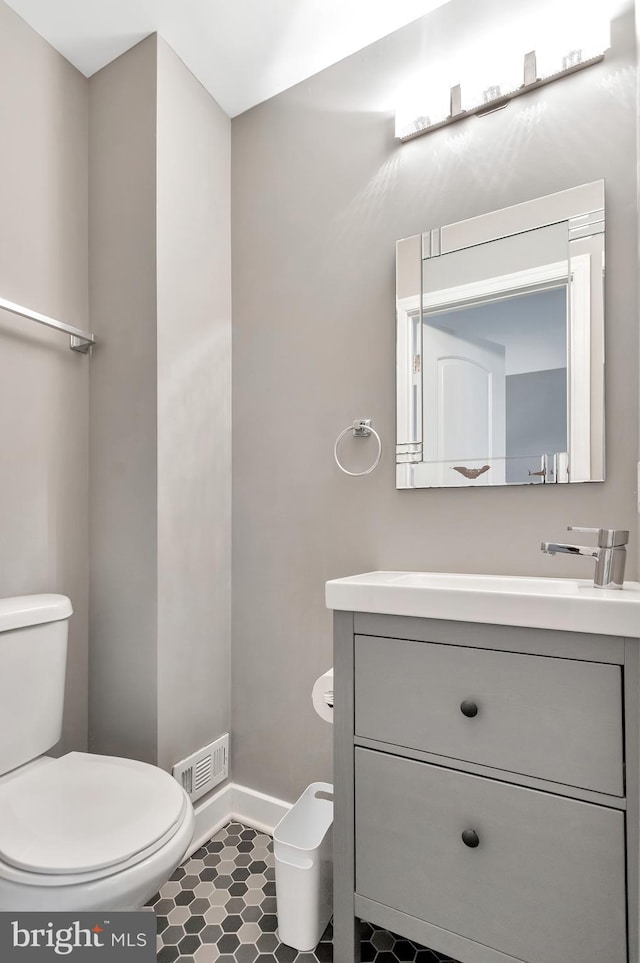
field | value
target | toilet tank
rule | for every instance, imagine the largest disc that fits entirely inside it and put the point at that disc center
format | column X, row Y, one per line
column 33, row 656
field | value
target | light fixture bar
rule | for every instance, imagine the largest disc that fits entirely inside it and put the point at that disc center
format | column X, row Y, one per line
column 531, row 82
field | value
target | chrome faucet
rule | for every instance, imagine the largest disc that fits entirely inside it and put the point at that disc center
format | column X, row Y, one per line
column 610, row 554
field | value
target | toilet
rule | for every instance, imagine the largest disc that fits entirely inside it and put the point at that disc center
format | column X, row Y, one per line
column 83, row 831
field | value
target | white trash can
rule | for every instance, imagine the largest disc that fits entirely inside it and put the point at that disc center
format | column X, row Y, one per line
column 303, row 851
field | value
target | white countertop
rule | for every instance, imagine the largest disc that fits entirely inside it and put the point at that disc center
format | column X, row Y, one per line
column 573, row 605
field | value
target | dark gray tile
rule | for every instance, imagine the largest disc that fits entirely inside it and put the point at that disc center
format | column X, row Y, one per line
column 163, row 907
column 216, row 918
column 185, row 897
column 235, row 906
column 199, row 906
column 405, row 951
column 382, row 940
column 211, row 933
column 285, row 954
column 238, row 889
column 367, row 951
column 172, row 935
column 188, row 945
column 228, row 943
column 168, row 954
column 251, row 914
column 246, row 953
column 223, row 882
column 268, row 942
column 189, row 882
column 324, row 952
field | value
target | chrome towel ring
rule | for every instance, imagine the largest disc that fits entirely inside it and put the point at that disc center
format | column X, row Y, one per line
column 361, row 428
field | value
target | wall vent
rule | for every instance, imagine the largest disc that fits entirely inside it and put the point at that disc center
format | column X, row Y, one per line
column 204, row 769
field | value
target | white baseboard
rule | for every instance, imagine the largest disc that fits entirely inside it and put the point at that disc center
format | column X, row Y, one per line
column 212, row 813
column 258, row 810
column 238, row 803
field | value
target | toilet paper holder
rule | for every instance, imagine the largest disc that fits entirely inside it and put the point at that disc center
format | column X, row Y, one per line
column 322, row 696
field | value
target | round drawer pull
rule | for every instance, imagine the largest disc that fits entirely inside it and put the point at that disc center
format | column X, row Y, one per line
column 469, row 708
column 470, row 838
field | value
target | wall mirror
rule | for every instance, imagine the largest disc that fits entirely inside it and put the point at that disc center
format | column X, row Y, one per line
column 500, row 346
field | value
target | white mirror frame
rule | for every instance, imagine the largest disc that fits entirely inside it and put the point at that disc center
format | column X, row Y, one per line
column 582, row 208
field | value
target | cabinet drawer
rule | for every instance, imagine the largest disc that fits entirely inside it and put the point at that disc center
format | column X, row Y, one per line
column 545, row 882
column 556, row 719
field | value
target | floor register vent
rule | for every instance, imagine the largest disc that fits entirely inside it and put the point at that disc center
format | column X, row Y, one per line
column 204, row 769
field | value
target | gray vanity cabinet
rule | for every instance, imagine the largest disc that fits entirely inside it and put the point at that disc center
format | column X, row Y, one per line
column 533, row 883
column 559, row 719
column 482, row 804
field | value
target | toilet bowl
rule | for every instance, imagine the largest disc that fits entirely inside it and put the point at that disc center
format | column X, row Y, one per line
column 86, row 832
column 82, row 831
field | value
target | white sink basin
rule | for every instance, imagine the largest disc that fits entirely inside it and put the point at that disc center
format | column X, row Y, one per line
column 572, row 605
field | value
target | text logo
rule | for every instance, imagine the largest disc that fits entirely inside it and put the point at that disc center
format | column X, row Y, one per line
column 38, row 937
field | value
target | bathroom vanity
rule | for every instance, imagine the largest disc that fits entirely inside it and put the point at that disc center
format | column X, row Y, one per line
column 486, row 766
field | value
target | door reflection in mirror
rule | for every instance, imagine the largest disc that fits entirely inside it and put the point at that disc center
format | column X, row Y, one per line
column 496, row 379
column 500, row 347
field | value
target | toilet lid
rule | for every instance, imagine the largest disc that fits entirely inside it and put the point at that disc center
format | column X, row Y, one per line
column 86, row 812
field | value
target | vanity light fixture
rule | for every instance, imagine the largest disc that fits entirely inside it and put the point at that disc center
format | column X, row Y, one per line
column 429, row 107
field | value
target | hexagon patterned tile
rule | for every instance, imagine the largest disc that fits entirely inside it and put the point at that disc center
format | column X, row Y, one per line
column 220, row 907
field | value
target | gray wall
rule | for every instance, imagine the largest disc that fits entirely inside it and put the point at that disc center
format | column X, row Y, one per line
column 44, row 394
column 636, row 529
column 194, row 412
column 160, row 456
column 320, row 193
column 122, row 264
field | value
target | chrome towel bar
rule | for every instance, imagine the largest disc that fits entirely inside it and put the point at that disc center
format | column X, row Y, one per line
column 78, row 340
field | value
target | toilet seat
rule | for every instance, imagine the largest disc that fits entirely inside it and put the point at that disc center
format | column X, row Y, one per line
column 83, row 817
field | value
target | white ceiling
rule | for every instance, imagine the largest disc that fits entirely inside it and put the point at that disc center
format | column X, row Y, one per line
column 242, row 51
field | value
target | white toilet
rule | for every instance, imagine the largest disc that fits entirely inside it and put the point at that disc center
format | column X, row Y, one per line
column 81, row 832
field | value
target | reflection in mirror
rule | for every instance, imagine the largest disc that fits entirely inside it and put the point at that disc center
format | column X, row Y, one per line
column 514, row 350
column 500, row 357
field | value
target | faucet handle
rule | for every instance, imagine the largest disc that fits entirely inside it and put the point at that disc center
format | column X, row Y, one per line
column 607, row 537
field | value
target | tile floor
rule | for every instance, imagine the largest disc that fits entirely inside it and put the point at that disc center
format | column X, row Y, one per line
column 220, row 907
